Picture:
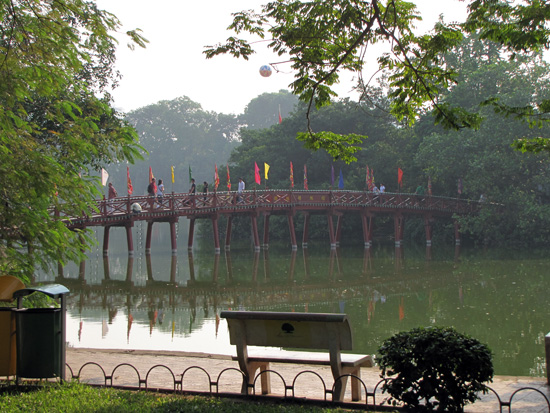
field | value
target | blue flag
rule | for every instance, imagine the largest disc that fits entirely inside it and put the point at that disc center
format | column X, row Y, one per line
column 341, row 182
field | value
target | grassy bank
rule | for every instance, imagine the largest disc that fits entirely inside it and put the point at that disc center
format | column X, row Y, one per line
column 76, row 397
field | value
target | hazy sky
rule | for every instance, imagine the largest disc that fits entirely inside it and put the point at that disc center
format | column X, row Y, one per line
column 173, row 64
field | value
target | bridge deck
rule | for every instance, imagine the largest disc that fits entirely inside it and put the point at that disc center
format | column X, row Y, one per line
column 275, row 202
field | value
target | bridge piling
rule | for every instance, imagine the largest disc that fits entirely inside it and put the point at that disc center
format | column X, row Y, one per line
column 129, row 239
column 148, row 238
column 106, row 231
column 331, row 232
column 228, row 233
column 191, row 234
column 266, row 231
column 366, row 221
column 255, row 235
column 398, row 221
column 173, row 238
column 339, row 229
column 428, row 228
column 305, row 234
column 216, row 234
column 292, row 231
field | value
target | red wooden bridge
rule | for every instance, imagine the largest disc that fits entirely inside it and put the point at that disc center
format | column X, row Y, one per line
column 123, row 212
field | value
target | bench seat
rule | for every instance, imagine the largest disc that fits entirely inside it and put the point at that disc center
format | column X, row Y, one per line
column 312, row 358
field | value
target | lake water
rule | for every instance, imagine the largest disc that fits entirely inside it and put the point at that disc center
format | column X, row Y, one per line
column 166, row 302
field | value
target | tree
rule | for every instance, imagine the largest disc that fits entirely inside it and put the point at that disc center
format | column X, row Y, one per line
column 263, row 111
column 324, row 38
column 180, row 133
column 57, row 126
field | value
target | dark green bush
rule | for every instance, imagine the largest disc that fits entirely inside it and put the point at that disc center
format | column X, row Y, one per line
column 435, row 369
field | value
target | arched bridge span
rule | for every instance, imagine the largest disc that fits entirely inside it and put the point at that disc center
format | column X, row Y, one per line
column 121, row 212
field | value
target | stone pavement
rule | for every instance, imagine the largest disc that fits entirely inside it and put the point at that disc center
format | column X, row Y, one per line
column 198, row 372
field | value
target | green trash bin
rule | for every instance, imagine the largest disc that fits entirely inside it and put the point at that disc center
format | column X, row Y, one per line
column 40, row 336
column 39, row 342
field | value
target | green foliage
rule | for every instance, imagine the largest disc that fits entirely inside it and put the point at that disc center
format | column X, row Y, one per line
column 435, row 368
column 57, row 126
column 322, row 39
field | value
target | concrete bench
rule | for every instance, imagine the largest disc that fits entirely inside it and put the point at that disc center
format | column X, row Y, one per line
column 295, row 330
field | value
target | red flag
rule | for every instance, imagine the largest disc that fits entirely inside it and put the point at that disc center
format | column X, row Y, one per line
column 216, row 179
column 400, row 177
column 305, row 177
column 291, row 175
column 257, row 173
column 228, row 180
column 280, row 117
column 130, row 187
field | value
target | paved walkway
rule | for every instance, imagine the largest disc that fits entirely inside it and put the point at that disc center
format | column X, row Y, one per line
column 221, row 370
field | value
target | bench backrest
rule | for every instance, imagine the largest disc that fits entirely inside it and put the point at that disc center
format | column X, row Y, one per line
column 296, row 330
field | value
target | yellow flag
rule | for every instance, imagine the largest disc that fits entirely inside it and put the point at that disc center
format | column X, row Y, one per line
column 172, row 173
column 266, row 168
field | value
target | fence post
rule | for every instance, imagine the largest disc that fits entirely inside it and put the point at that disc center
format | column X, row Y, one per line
column 547, row 351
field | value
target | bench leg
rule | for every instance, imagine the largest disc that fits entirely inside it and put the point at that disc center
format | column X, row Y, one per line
column 355, row 385
column 265, row 379
column 339, row 389
column 340, row 385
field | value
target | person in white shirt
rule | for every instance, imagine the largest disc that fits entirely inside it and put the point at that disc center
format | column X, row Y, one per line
column 240, row 190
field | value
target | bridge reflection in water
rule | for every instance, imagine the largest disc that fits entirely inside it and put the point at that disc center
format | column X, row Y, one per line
column 293, row 283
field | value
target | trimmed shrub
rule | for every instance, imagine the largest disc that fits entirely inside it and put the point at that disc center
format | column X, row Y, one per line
column 434, row 369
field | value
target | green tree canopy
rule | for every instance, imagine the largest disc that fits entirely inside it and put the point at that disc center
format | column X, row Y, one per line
column 324, row 38
column 57, row 126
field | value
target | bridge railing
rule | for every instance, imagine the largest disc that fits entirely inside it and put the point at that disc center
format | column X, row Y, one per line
column 187, row 204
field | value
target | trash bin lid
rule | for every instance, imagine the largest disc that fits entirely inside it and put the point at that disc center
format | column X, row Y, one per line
column 52, row 290
column 8, row 285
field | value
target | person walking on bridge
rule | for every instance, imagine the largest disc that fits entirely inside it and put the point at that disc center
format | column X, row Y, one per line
column 112, row 194
column 240, row 190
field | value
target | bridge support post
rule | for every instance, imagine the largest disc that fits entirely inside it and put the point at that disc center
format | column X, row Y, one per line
column 331, row 232
column 148, row 238
column 216, row 234
column 292, row 231
column 173, row 238
column 457, row 233
column 399, row 222
column 173, row 268
column 305, row 235
column 228, row 233
column 339, row 229
column 106, row 231
column 255, row 235
column 191, row 234
column 366, row 221
column 106, row 270
column 428, row 227
column 129, row 239
column 292, row 265
column 266, row 231
column 191, row 261
column 129, row 269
